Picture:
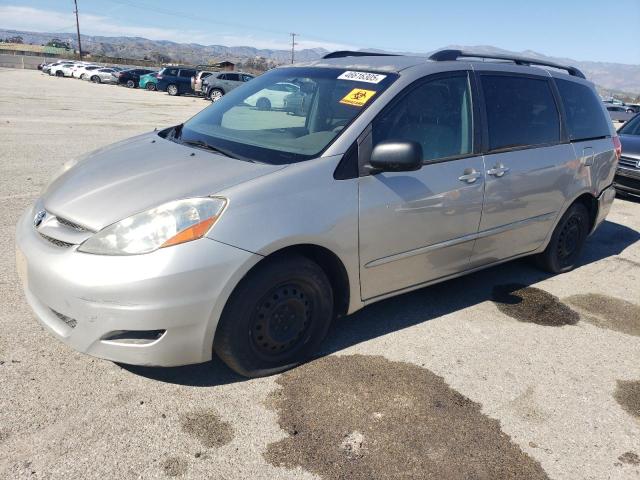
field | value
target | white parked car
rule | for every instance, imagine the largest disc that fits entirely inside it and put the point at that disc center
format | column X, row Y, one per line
column 62, row 70
column 272, row 97
column 84, row 71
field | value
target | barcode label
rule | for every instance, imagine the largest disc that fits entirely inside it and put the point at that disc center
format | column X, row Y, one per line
column 362, row 77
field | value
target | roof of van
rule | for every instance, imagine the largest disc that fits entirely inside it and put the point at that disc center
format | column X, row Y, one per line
column 396, row 63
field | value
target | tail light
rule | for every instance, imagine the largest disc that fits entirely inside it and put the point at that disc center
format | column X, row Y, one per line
column 159, row 77
column 618, row 146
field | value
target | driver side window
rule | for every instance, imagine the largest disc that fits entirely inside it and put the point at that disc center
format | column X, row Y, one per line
column 437, row 114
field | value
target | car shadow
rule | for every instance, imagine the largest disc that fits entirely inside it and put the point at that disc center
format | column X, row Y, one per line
column 411, row 308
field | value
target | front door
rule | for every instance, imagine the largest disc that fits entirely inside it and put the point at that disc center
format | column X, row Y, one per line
column 419, row 226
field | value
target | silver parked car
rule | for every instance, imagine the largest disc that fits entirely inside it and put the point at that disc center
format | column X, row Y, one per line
column 218, row 84
column 244, row 231
column 627, row 180
column 619, row 113
column 102, row 75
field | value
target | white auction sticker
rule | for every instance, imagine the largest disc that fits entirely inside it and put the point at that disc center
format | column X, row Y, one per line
column 362, row 77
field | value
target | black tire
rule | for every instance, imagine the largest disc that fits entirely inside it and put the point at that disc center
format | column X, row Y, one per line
column 96, row 79
column 172, row 89
column 567, row 241
column 151, row 87
column 215, row 94
column 131, row 84
column 59, row 74
column 263, row 104
column 276, row 317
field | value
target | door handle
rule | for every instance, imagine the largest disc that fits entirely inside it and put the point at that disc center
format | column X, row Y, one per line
column 470, row 175
column 498, row 171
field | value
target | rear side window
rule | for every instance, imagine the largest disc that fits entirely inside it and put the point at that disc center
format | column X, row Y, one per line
column 233, row 76
column 521, row 111
column 187, row 73
column 204, row 75
column 582, row 108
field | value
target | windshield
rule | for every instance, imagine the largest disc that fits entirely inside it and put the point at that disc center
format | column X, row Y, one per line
column 286, row 115
column 632, row 127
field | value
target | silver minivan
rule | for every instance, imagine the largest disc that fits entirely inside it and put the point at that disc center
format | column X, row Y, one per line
column 245, row 231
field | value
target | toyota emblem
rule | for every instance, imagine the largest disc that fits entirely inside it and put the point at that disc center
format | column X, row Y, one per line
column 39, row 218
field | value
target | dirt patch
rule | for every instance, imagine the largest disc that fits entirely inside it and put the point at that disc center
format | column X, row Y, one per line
column 174, row 466
column 365, row 417
column 532, row 305
column 208, row 428
column 630, row 458
column 609, row 312
column 627, row 394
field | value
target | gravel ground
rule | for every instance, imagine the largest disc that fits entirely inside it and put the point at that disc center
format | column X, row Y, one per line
column 506, row 373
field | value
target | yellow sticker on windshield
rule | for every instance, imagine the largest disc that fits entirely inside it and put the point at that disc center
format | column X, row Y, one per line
column 358, row 97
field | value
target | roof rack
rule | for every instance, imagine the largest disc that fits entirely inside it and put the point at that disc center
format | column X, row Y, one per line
column 350, row 53
column 446, row 55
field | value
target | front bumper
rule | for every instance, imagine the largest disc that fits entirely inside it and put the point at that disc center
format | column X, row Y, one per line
column 180, row 289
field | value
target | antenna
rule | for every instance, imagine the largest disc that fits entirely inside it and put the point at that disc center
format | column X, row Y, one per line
column 75, row 2
column 293, row 45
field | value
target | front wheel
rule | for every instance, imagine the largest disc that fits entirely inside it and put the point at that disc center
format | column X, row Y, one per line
column 215, row 94
column 96, row 79
column 172, row 90
column 151, row 87
column 275, row 318
column 567, row 240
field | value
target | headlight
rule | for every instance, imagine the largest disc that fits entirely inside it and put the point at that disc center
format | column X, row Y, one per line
column 169, row 224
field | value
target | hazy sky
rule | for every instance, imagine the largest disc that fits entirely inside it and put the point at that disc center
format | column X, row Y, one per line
column 582, row 30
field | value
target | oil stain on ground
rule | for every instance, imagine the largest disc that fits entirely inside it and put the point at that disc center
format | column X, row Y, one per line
column 174, row 466
column 608, row 312
column 365, row 417
column 208, row 428
column 630, row 458
column 532, row 305
column 627, row 394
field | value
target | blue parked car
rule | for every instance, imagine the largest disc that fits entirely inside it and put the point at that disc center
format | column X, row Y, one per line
column 175, row 80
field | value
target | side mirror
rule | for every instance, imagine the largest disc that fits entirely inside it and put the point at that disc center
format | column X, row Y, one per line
column 396, row 156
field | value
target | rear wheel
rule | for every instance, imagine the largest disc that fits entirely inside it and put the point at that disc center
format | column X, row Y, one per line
column 59, row 74
column 275, row 318
column 215, row 94
column 96, row 79
column 131, row 84
column 172, row 90
column 567, row 241
column 151, row 86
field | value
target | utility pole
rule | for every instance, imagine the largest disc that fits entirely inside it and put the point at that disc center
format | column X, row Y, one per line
column 78, row 28
column 293, row 45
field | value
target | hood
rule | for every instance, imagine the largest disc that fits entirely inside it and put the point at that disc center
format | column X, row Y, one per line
column 630, row 146
column 135, row 175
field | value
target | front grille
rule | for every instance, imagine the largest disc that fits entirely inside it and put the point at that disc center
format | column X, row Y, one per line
column 70, row 224
column 628, row 162
column 57, row 243
column 71, row 322
column 626, row 183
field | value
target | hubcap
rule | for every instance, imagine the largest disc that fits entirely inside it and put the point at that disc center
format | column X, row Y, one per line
column 281, row 320
column 216, row 95
column 172, row 90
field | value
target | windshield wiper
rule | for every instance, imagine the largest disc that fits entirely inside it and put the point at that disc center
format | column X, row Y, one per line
column 211, row 148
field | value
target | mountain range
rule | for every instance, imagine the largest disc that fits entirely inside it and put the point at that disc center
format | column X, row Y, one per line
column 612, row 78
